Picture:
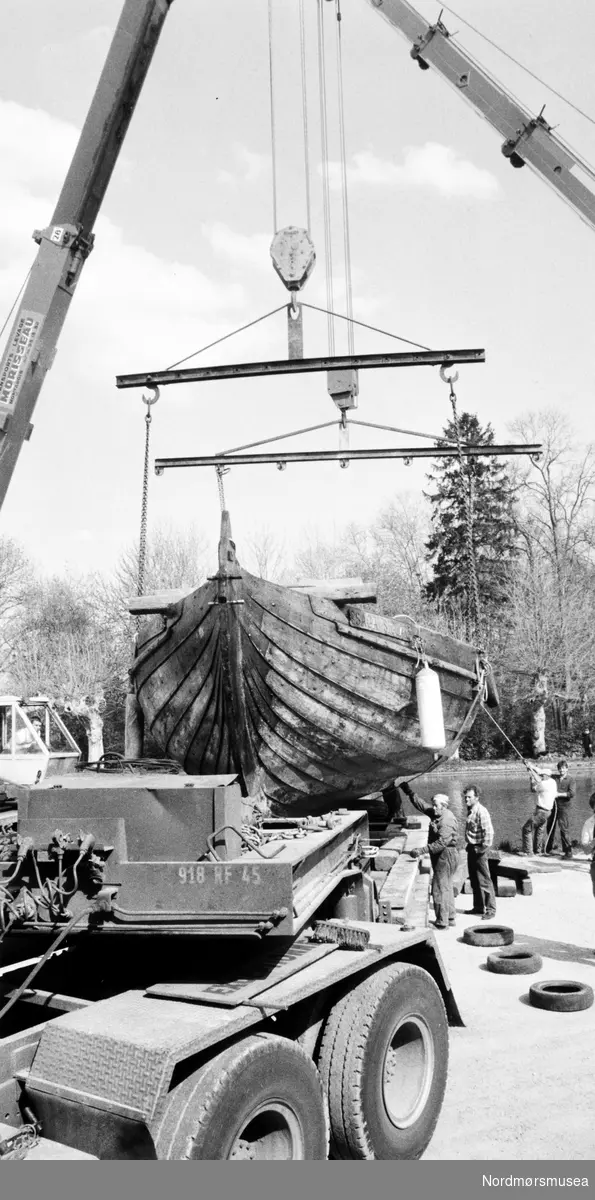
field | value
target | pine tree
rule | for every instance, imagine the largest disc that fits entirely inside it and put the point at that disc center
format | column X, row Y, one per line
column 486, row 483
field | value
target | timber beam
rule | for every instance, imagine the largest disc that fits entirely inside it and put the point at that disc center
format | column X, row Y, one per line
column 291, row 366
column 282, row 457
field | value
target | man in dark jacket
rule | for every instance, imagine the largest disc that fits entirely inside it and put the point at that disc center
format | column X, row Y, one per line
column 443, row 838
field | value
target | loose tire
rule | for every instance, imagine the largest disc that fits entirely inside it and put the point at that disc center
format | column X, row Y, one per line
column 384, row 1061
column 261, row 1098
column 514, row 962
column 489, row 935
column 561, row 995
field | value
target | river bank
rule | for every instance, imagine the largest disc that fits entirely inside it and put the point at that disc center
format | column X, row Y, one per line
column 505, row 790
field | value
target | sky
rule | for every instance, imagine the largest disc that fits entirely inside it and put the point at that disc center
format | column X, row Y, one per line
column 449, row 248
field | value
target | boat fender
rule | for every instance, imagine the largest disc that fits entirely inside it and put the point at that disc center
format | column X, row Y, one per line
column 429, row 707
column 492, row 697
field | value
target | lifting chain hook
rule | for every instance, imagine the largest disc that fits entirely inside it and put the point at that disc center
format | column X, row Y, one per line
column 150, row 399
column 451, row 379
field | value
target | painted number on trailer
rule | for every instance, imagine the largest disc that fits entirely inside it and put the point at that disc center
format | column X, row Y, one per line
column 220, row 874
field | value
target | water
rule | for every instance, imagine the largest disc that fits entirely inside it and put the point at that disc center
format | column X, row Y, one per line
column 508, row 798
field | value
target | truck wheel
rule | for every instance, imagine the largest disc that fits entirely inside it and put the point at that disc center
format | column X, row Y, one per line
column 384, row 1061
column 260, row 1099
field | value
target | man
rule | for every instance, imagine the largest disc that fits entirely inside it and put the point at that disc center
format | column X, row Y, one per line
column 479, row 835
column 587, row 744
column 535, row 829
column 443, row 837
column 565, row 796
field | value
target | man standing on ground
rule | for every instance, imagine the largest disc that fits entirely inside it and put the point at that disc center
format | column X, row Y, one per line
column 443, row 837
column 587, row 744
column 535, row 829
column 564, row 798
column 479, row 834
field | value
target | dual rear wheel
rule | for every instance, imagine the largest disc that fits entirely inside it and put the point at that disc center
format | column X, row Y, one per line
column 378, row 1081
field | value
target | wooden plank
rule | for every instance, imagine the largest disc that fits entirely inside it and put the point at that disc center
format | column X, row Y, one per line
column 160, row 602
column 342, row 591
column 416, row 913
column 398, row 888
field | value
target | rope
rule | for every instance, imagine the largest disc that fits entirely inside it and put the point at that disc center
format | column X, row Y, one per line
column 272, row 103
column 364, row 325
column 344, row 190
column 217, row 341
column 328, row 253
column 531, row 769
column 305, row 116
column 473, row 614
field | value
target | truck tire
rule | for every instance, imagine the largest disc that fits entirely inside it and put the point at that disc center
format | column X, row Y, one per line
column 261, row 1098
column 488, row 935
column 514, row 962
column 561, row 995
column 384, row 1061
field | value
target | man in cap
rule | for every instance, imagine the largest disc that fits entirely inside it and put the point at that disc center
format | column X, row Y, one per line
column 443, row 839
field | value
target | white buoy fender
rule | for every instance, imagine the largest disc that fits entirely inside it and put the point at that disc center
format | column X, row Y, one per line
column 429, row 707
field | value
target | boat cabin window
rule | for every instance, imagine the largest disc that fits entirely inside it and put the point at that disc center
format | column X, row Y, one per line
column 6, row 723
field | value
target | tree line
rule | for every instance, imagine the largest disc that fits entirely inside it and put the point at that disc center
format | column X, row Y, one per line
column 531, row 533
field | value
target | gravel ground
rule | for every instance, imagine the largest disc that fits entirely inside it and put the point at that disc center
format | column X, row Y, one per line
column 522, row 1080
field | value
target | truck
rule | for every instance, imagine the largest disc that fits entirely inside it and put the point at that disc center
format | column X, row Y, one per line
column 181, row 984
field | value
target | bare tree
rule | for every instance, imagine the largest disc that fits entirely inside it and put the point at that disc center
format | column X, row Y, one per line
column 267, row 552
column 551, row 633
column 63, row 650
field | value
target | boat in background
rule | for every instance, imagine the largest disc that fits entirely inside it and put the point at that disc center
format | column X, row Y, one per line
column 311, row 700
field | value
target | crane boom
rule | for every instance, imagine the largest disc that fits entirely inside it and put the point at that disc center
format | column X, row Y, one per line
column 66, row 243
column 528, row 139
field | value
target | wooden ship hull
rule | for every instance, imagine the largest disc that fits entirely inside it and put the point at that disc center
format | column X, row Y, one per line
column 310, row 701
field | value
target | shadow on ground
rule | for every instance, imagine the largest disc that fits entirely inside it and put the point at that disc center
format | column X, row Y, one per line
column 560, row 951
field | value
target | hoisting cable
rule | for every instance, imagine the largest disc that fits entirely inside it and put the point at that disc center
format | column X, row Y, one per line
column 241, row 329
column 16, row 300
column 328, row 251
column 364, row 325
column 272, row 105
column 473, row 613
column 519, row 64
column 344, row 191
column 305, row 117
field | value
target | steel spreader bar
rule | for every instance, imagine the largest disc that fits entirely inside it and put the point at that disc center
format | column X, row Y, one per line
column 281, row 457
column 292, row 366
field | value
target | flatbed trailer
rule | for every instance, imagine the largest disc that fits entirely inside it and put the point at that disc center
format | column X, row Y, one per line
column 244, row 999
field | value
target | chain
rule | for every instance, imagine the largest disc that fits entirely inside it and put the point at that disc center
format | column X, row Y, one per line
column 473, row 611
column 220, row 472
column 142, row 544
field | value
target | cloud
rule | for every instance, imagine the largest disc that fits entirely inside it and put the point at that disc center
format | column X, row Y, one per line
column 250, row 166
column 430, row 166
column 35, row 147
column 245, row 249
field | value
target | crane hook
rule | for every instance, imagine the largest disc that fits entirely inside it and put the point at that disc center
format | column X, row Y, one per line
column 451, row 379
column 149, row 400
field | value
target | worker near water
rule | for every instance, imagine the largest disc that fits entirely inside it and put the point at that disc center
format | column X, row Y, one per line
column 443, row 843
column 479, row 836
column 535, row 828
column 588, row 837
column 564, row 797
